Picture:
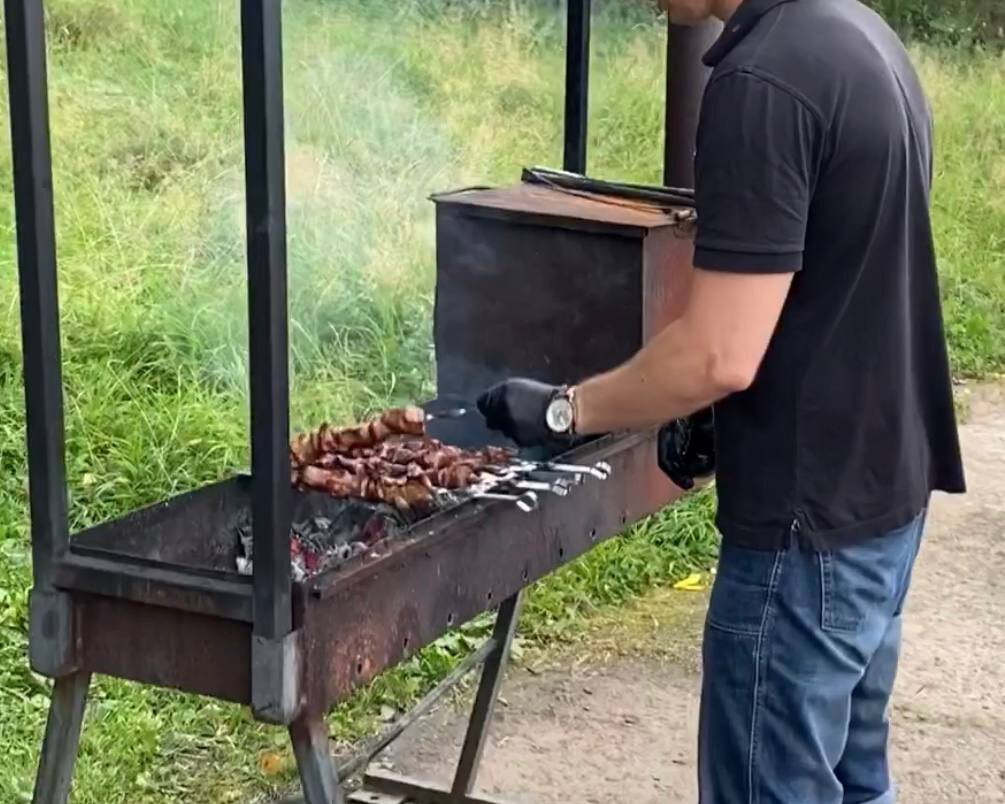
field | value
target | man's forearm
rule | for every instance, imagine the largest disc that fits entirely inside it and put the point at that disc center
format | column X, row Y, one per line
column 714, row 349
column 672, row 376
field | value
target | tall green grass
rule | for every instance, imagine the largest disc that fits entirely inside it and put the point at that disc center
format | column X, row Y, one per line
column 387, row 102
column 969, row 203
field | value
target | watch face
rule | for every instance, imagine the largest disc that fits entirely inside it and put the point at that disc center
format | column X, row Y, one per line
column 559, row 415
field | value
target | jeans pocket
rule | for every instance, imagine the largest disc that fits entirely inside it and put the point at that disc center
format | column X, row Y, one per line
column 870, row 579
column 837, row 609
column 743, row 589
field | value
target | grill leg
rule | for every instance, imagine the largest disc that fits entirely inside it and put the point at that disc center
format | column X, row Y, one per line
column 388, row 788
column 485, row 699
column 314, row 760
column 62, row 737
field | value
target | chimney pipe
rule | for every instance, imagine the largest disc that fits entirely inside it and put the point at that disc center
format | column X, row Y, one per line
column 577, row 85
column 686, row 78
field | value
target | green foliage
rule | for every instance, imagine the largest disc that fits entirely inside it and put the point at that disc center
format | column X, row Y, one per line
column 951, row 22
column 387, row 102
column 968, row 210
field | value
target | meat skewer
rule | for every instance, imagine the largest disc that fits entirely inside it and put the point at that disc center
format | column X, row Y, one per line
column 307, row 448
column 404, row 493
column 390, row 459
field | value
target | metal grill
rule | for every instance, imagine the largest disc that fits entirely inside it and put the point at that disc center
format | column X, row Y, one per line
column 156, row 596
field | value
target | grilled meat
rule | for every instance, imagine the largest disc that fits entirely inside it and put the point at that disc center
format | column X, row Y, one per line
column 402, row 492
column 308, row 448
column 389, row 459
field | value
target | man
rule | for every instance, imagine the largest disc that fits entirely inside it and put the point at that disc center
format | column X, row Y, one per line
column 814, row 328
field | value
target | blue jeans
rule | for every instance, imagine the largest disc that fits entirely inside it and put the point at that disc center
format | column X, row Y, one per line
column 799, row 659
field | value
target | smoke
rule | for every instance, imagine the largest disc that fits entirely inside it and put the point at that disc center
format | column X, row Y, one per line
column 361, row 159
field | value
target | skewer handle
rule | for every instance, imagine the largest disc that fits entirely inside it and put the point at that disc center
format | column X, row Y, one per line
column 454, row 413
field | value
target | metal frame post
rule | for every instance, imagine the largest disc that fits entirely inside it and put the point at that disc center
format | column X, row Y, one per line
column 36, row 259
column 577, row 85
column 51, row 643
column 275, row 649
column 262, row 62
column 686, row 78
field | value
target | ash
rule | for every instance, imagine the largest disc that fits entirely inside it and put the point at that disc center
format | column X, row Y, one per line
column 324, row 542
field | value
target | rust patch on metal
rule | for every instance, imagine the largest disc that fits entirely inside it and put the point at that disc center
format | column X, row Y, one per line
column 168, row 648
column 358, row 625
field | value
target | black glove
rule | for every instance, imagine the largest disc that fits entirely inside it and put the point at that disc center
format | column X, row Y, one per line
column 685, row 448
column 516, row 408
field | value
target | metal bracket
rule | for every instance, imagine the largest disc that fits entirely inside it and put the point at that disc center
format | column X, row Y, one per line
column 276, row 678
column 52, row 635
column 389, row 788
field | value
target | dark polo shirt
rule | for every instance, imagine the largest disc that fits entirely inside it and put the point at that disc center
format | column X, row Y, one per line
column 814, row 156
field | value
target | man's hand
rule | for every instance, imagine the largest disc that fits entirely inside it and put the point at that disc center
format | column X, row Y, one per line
column 685, row 448
column 516, row 408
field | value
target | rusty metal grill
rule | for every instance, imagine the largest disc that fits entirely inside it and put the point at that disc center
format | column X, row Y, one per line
column 158, row 597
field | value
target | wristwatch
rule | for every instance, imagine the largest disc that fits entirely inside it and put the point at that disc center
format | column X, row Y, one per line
column 560, row 414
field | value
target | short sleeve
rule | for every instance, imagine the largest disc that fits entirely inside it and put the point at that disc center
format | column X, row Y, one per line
column 755, row 169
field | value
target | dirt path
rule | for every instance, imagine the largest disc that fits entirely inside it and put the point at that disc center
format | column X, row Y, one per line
column 614, row 718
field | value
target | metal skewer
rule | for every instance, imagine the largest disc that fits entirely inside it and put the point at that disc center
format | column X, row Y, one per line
column 526, row 502
column 559, row 487
column 600, row 470
column 495, row 483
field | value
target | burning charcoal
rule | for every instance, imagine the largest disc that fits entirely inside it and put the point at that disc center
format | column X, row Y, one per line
column 373, row 530
column 321, row 542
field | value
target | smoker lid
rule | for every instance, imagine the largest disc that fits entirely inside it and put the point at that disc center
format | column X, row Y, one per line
column 545, row 206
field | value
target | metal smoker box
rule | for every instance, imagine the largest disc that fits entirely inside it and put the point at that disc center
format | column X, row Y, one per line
column 537, row 282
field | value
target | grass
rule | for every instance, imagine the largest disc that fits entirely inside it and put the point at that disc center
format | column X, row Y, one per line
column 969, row 204
column 386, row 103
